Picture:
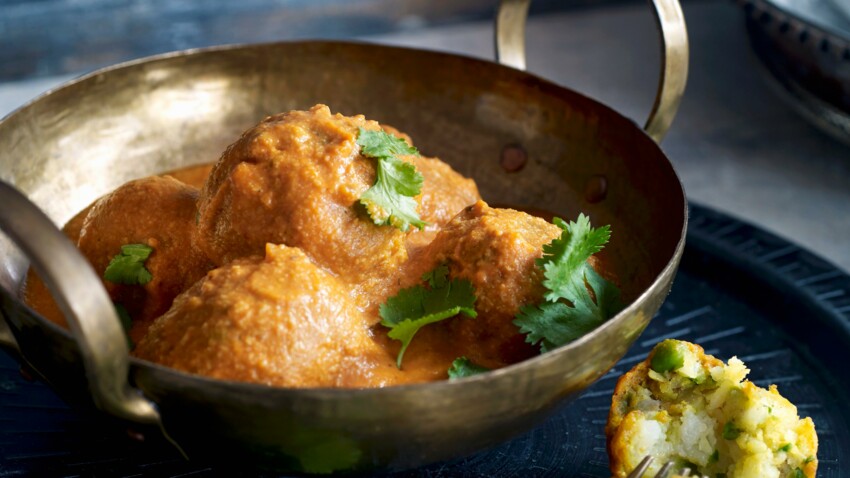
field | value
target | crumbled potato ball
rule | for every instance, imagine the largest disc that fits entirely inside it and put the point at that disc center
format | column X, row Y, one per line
column 683, row 406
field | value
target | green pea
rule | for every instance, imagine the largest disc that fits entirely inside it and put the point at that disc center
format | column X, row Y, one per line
column 667, row 356
column 730, row 431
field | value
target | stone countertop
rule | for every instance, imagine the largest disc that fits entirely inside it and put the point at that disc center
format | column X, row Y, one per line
column 736, row 146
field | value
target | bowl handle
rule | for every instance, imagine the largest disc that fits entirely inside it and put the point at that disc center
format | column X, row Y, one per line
column 7, row 339
column 510, row 51
column 84, row 302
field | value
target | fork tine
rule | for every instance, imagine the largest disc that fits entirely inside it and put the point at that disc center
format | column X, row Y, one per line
column 662, row 473
column 641, row 468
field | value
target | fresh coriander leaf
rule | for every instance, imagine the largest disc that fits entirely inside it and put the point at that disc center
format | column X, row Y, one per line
column 415, row 307
column 438, row 277
column 564, row 260
column 463, row 367
column 405, row 330
column 123, row 316
column 380, row 144
column 569, row 310
column 128, row 267
column 126, row 321
column 390, row 199
column 552, row 323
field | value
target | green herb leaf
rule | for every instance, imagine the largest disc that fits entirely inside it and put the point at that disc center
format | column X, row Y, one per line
column 390, row 199
column 123, row 316
column 415, row 307
column 730, row 431
column 128, row 267
column 798, row 473
column 126, row 322
column 564, row 259
column 438, row 277
column 380, row 144
column 786, row 448
column 569, row 311
column 463, row 367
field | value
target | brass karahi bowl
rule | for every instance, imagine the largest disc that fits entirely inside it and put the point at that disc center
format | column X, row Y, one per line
column 80, row 141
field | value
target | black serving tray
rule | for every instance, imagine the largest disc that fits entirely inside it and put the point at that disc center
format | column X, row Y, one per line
column 740, row 291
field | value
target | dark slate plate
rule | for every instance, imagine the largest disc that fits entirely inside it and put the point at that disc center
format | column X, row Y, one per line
column 740, row 291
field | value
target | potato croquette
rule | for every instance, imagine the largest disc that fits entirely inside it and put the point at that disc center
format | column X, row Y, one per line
column 690, row 408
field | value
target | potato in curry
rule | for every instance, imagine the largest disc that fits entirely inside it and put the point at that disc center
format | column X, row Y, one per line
column 266, row 267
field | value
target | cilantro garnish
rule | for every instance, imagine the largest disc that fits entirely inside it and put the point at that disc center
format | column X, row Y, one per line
column 126, row 321
column 415, row 307
column 463, row 367
column 569, row 310
column 390, row 199
column 128, row 267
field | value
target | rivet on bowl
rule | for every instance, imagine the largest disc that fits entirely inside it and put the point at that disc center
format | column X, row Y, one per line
column 513, row 158
column 596, row 188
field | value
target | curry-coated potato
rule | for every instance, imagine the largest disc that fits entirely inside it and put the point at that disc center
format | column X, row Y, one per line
column 159, row 212
column 690, row 408
column 277, row 320
column 495, row 250
column 296, row 179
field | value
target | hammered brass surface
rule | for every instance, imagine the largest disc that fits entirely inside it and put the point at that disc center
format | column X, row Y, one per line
column 74, row 144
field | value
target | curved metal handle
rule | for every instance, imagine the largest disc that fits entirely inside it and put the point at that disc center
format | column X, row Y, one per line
column 82, row 298
column 510, row 33
column 7, row 340
column 510, row 51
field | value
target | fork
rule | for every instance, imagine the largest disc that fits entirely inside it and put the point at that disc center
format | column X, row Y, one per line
column 662, row 473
